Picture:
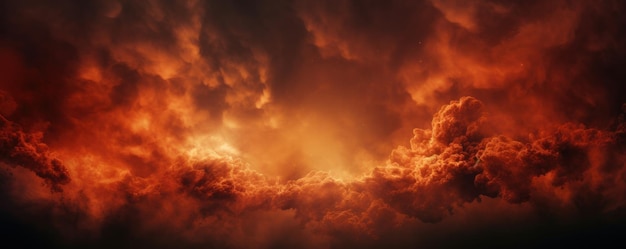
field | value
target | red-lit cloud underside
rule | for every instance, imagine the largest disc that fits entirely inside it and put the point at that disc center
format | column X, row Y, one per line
column 284, row 124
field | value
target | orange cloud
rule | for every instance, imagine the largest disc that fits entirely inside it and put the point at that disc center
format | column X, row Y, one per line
column 277, row 124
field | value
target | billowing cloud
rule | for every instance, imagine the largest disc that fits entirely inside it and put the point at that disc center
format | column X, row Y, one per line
column 26, row 150
column 281, row 124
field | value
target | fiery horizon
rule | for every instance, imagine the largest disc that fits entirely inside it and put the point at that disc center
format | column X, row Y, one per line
column 312, row 124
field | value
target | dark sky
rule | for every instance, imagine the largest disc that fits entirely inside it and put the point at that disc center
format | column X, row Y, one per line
column 312, row 124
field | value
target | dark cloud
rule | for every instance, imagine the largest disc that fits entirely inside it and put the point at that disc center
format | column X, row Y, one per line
column 269, row 124
column 20, row 149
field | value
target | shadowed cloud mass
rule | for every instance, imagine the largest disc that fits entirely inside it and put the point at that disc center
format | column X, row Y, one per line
column 281, row 124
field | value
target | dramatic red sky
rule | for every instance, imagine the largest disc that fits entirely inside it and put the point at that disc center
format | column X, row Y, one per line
column 312, row 124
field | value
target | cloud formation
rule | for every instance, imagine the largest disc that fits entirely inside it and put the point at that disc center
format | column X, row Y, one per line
column 280, row 124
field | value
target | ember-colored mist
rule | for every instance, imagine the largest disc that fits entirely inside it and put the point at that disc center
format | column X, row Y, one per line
column 312, row 124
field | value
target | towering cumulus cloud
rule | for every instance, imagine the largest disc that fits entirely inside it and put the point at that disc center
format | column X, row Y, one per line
column 287, row 123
